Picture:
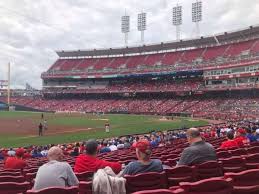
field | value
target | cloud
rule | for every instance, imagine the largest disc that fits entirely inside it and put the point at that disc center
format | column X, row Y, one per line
column 31, row 31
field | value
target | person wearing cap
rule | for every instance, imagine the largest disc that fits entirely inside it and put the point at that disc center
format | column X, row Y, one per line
column 230, row 143
column 144, row 163
column 198, row 152
column 90, row 162
column 16, row 162
column 55, row 173
column 241, row 138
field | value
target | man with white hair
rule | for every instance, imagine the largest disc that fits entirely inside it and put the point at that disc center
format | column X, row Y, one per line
column 55, row 173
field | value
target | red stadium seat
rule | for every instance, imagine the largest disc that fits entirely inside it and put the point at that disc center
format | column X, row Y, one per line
column 208, row 186
column 238, row 152
column 160, row 191
column 233, row 164
column 85, row 176
column 15, row 179
column 55, row 190
column 14, row 188
column 246, row 182
column 223, row 154
column 208, row 170
column 145, row 181
column 85, row 187
column 253, row 150
column 180, row 174
column 252, row 161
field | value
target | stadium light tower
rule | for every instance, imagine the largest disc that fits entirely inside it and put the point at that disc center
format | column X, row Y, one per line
column 125, row 26
column 197, row 15
column 142, row 25
column 177, row 20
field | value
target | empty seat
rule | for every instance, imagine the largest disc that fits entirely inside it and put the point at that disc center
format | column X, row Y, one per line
column 146, row 181
column 233, row 164
column 238, row 152
column 223, row 154
column 55, row 190
column 253, row 150
column 252, row 161
column 85, row 187
column 180, row 174
column 156, row 191
column 246, row 182
column 208, row 170
column 208, row 186
column 15, row 179
column 14, row 188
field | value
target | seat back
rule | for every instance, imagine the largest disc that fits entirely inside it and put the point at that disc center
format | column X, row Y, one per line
column 180, row 174
column 14, row 188
column 253, row 150
column 208, row 170
column 238, row 152
column 55, row 190
column 85, row 176
column 146, row 181
column 244, row 178
column 223, row 154
column 233, row 164
column 85, row 187
column 15, row 179
column 208, row 186
column 156, row 191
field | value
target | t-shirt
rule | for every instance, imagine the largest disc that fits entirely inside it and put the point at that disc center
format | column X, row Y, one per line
column 241, row 141
column 14, row 163
column 55, row 174
column 251, row 137
column 137, row 167
column 90, row 163
column 229, row 144
column 197, row 153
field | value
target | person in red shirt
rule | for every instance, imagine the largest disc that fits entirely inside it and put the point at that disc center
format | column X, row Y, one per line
column 230, row 143
column 16, row 162
column 89, row 161
column 241, row 138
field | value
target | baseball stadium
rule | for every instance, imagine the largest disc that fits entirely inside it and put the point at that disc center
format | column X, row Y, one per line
column 190, row 105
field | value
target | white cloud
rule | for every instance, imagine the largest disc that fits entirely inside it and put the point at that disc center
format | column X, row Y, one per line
column 31, row 31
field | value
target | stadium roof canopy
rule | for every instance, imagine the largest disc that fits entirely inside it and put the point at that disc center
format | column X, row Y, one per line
column 226, row 37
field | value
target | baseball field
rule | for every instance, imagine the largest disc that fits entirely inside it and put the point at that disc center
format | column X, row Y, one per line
column 21, row 128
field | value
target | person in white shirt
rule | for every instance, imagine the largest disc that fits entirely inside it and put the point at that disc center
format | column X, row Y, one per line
column 113, row 147
column 11, row 152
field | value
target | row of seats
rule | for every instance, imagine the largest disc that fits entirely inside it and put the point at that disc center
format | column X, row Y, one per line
column 172, row 58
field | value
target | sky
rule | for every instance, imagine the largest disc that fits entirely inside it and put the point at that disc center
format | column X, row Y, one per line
column 32, row 30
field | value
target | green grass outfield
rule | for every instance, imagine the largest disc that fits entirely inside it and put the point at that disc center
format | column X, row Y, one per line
column 120, row 125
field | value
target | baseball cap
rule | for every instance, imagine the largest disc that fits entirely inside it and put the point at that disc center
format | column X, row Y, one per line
column 144, row 146
column 19, row 152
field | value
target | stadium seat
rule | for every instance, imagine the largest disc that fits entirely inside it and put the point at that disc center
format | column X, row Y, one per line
column 208, row 186
column 208, row 170
column 238, row 152
column 252, row 161
column 55, row 190
column 233, row 164
column 253, row 150
column 146, row 181
column 85, row 187
column 14, row 188
column 223, row 154
column 84, row 176
column 246, row 182
column 10, row 173
column 180, row 174
column 160, row 191
column 15, row 179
